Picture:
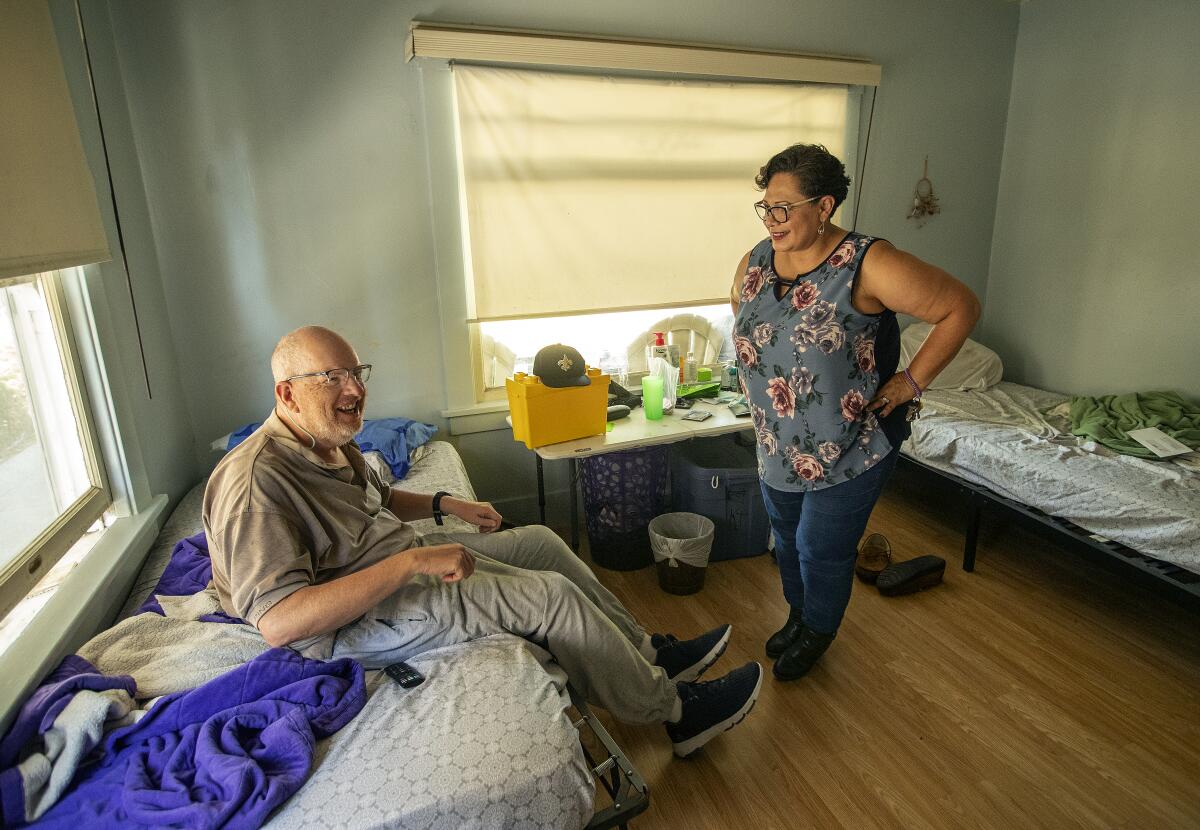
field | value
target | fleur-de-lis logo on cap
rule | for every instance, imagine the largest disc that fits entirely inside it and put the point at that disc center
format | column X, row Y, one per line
column 565, row 363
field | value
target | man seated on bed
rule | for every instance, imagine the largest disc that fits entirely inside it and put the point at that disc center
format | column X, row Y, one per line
column 311, row 547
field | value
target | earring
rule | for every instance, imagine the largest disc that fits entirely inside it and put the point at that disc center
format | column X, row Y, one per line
column 821, row 228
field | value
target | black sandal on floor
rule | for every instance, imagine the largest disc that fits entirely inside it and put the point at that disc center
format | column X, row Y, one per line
column 911, row 575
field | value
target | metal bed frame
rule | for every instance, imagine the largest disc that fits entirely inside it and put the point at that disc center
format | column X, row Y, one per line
column 1180, row 584
column 629, row 796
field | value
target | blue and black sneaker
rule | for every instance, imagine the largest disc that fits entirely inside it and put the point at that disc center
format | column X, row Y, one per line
column 686, row 660
column 713, row 707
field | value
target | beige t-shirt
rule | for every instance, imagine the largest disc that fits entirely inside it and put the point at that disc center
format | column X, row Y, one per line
column 278, row 518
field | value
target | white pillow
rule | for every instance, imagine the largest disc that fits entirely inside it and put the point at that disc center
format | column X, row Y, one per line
column 974, row 367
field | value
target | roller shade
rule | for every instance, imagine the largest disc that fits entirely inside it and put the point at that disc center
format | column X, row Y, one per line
column 474, row 44
column 588, row 193
column 49, row 218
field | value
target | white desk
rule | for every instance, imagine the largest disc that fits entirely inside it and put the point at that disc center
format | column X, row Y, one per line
column 633, row 432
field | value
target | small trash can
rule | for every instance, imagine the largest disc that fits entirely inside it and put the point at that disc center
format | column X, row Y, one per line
column 681, row 543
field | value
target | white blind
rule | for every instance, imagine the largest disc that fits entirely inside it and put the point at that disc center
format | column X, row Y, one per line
column 558, row 49
column 587, row 193
column 48, row 213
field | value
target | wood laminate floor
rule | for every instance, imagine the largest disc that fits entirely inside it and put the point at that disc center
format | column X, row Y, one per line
column 1039, row 691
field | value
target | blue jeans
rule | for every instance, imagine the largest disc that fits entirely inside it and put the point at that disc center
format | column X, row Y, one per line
column 816, row 541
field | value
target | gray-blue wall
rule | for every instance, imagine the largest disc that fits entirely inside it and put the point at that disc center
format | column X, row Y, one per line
column 1093, row 286
column 129, row 309
column 284, row 156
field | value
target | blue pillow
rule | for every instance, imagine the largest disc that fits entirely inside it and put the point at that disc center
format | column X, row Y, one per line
column 393, row 438
column 241, row 435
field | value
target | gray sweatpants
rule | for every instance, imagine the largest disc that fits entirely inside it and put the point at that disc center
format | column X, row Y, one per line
column 527, row 582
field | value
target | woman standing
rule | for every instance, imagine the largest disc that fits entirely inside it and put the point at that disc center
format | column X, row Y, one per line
column 818, row 349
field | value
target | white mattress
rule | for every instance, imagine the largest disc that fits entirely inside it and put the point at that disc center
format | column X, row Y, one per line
column 485, row 741
column 1015, row 440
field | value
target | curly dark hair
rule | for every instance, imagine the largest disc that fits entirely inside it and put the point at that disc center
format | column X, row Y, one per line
column 819, row 171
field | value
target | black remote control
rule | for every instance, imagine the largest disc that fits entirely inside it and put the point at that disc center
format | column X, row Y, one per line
column 405, row 675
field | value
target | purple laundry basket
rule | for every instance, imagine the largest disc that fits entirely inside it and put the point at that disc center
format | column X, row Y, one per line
column 622, row 492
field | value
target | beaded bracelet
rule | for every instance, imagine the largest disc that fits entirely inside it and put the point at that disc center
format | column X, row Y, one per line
column 916, row 389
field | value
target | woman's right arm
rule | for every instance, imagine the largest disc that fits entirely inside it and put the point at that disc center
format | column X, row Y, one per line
column 735, row 293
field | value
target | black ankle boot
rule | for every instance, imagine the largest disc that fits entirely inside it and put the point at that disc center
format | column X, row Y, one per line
column 802, row 655
column 778, row 642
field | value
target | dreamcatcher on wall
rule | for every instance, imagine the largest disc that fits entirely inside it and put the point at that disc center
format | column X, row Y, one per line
column 925, row 204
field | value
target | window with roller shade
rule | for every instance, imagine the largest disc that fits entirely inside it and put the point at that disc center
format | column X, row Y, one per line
column 53, row 486
column 593, row 201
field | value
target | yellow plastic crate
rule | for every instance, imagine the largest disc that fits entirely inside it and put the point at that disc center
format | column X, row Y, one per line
column 542, row 415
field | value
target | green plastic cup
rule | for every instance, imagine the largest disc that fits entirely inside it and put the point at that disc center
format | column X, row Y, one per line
column 652, row 397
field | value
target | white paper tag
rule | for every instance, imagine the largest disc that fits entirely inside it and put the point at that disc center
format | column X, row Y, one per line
column 1158, row 442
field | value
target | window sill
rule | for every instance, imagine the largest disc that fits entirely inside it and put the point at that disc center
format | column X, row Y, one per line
column 481, row 417
column 85, row 602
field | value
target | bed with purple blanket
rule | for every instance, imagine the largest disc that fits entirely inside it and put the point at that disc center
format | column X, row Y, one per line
column 202, row 725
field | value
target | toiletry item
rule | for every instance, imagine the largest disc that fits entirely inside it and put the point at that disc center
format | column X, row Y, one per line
column 703, row 374
column 731, row 378
column 689, row 370
column 652, row 397
column 659, row 349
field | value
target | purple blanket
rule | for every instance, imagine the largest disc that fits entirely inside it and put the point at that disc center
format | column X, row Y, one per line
column 222, row 755
column 188, row 572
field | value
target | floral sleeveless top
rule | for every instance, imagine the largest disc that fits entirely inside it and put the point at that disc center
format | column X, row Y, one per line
column 807, row 361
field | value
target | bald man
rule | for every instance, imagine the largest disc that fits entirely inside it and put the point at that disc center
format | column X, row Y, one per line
column 310, row 546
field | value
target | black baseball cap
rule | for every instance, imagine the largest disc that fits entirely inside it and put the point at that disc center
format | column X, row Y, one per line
column 558, row 366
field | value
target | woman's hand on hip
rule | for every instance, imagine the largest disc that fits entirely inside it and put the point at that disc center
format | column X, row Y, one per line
column 894, row 392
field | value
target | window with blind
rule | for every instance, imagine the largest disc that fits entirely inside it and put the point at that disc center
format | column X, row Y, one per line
column 592, row 202
column 52, row 483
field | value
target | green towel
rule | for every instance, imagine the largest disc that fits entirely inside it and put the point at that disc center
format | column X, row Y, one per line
column 1108, row 420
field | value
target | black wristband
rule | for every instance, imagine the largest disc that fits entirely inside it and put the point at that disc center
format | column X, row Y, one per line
column 438, row 515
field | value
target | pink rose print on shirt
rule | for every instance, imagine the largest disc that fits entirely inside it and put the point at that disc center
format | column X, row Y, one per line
column 762, row 334
column 764, row 435
column 829, row 452
column 869, row 425
column 853, row 403
column 818, row 327
column 783, row 397
column 843, row 254
column 752, row 283
column 864, row 354
column 806, row 466
column 745, row 351
column 831, row 338
column 804, row 294
column 802, row 381
column 769, row 442
column 819, row 315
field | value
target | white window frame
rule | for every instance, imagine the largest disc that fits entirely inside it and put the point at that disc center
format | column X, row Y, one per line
column 439, row 44
column 21, row 574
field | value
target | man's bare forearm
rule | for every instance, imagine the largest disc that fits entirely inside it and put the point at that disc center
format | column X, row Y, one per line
column 320, row 609
column 410, row 507
column 324, row 608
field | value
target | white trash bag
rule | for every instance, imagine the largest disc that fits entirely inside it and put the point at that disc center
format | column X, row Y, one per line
column 681, row 537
